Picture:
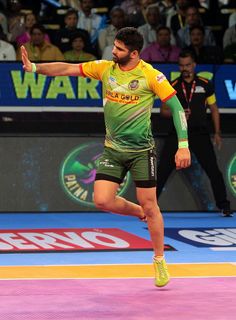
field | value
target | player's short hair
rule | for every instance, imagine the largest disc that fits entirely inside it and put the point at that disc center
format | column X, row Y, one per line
column 131, row 38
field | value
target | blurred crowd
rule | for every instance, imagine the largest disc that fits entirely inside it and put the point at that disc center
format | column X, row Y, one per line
column 83, row 30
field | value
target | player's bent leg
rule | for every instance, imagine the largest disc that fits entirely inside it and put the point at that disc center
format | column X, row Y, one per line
column 147, row 200
column 105, row 199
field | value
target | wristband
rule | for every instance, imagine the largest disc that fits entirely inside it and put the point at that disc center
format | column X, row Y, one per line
column 34, row 68
column 183, row 144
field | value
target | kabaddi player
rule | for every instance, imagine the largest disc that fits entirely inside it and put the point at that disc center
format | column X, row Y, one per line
column 129, row 89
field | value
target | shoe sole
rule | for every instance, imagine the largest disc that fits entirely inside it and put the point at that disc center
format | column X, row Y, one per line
column 158, row 286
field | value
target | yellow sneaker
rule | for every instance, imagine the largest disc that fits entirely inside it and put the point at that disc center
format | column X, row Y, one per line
column 162, row 276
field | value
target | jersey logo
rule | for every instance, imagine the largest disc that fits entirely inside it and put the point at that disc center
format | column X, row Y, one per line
column 112, row 80
column 161, row 78
column 133, row 85
column 199, row 89
column 183, row 121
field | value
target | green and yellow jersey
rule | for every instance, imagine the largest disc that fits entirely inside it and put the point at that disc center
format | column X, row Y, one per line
column 128, row 98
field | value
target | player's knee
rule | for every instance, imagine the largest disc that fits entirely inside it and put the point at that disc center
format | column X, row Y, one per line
column 149, row 208
column 101, row 203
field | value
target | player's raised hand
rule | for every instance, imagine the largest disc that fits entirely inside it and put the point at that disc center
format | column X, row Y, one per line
column 27, row 65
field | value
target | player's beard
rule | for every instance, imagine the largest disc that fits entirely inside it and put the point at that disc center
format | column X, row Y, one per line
column 122, row 61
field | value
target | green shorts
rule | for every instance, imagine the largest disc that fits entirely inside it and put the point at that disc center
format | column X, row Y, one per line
column 113, row 166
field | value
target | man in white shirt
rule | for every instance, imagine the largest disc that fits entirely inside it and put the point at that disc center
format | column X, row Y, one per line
column 154, row 21
column 7, row 51
column 90, row 21
column 106, row 36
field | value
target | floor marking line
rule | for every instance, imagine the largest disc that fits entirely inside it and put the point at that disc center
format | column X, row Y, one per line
column 116, row 271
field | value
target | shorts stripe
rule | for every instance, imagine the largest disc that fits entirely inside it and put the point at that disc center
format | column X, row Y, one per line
column 145, row 184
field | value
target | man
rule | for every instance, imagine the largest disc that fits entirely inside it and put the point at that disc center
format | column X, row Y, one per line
column 148, row 30
column 177, row 20
column 39, row 49
column 193, row 18
column 63, row 36
column 90, row 21
column 203, row 53
column 129, row 88
column 161, row 50
column 106, row 36
column 195, row 95
column 154, row 21
column 7, row 51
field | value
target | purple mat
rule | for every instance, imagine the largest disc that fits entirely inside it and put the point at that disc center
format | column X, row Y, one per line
column 126, row 299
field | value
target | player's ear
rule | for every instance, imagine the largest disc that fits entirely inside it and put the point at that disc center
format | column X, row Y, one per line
column 134, row 54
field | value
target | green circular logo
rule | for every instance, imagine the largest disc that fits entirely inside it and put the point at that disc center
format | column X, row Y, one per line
column 232, row 175
column 78, row 172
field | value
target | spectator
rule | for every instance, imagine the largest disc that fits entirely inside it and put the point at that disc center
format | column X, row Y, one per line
column 90, row 21
column 177, row 21
column 166, row 8
column 4, row 22
column 230, row 53
column 75, row 4
column 193, row 18
column 161, row 50
column 148, row 30
column 130, row 6
column 229, row 36
column 63, row 37
column 106, row 36
column 107, row 53
column 203, row 53
column 136, row 11
column 38, row 49
column 154, row 21
column 29, row 21
column 77, row 53
column 232, row 19
column 15, row 26
column 7, row 51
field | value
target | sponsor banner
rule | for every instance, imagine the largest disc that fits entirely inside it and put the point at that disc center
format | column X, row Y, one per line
column 56, row 174
column 78, row 171
column 231, row 174
column 71, row 240
column 204, row 237
column 22, row 91
column 82, row 239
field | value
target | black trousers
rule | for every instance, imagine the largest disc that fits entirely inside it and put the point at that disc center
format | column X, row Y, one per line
column 201, row 145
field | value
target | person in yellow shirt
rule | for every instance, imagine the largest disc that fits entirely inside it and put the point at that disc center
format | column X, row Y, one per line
column 40, row 50
column 130, row 86
column 77, row 52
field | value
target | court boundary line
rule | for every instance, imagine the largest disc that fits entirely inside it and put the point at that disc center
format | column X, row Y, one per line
column 128, row 278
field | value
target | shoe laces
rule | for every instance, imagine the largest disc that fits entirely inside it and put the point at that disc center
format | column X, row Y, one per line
column 161, row 269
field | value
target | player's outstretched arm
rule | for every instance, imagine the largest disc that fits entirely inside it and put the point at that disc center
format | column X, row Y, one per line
column 49, row 69
column 182, row 157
